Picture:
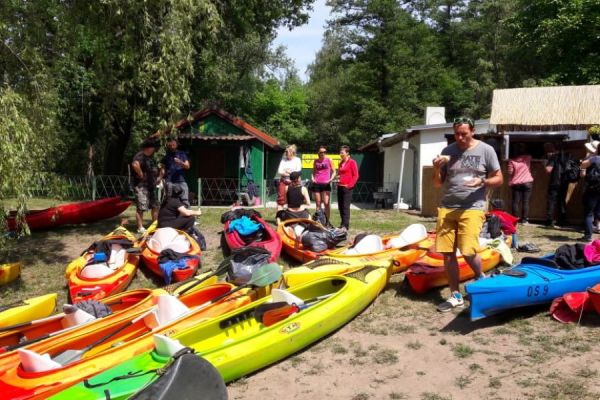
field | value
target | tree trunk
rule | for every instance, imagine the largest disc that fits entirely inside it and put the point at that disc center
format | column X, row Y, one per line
column 114, row 162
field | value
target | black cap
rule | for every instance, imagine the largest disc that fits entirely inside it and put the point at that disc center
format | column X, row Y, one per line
column 294, row 175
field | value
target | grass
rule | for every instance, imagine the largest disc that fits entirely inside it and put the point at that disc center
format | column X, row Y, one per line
column 462, row 350
column 379, row 339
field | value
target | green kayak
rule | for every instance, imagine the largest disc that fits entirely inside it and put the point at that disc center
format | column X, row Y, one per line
column 238, row 344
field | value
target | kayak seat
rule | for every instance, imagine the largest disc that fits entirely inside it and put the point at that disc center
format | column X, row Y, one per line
column 74, row 316
column 117, row 258
column 36, row 362
column 540, row 261
column 368, row 244
column 96, row 271
column 168, row 238
column 412, row 234
column 168, row 309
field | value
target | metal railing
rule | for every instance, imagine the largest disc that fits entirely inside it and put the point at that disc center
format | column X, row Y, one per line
column 79, row 187
column 221, row 191
column 208, row 191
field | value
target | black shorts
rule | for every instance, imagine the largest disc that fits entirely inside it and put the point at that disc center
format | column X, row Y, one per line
column 320, row 187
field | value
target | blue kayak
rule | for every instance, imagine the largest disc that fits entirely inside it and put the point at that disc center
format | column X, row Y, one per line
column 534, row 281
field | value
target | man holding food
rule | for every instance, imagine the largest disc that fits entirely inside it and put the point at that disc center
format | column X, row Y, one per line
column 464, row 170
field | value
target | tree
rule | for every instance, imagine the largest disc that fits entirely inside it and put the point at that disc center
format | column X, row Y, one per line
column 377, row 71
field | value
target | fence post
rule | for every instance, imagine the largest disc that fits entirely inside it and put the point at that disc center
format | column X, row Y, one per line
column 93, row 187
column 199, row 192
column 263, row 193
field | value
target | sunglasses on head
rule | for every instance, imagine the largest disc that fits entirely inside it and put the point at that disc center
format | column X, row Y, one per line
column 463, row 120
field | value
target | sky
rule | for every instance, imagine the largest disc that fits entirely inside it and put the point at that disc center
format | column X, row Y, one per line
column 303, row 42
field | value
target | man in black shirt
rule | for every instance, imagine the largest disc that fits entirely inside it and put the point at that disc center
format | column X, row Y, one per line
column 145, row 173
column 557, row 186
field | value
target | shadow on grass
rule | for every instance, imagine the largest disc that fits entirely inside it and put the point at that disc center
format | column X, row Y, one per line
column 463, row 325
column 559, row 238
column 403, row 289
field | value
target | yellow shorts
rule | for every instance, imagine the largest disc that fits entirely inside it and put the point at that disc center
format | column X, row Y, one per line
column 457, row 228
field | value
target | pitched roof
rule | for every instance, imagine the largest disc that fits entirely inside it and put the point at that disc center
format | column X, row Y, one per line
column 554, row 105
column 233, row 120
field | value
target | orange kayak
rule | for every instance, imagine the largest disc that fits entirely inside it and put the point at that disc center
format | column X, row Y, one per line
column 119, row 305
column 177, row 240
column 133, row 337
column 93, row 280
column 294, row 247
column 402, row 256
column 429, row 271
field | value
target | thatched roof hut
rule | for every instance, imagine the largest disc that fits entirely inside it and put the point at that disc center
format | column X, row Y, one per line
column 546, row 108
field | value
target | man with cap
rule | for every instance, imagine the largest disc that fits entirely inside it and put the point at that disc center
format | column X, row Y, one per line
column 172, row 166
column 145, row 173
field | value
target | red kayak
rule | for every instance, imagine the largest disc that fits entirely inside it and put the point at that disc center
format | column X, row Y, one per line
column 266, row 237
column 72, row 213
column 594, row 294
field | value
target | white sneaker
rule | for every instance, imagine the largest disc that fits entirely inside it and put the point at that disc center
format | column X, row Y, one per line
column 141, row 230
column 454, row 301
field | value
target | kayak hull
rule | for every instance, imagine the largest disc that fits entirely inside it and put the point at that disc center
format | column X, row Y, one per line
column 429, row 271
column 271, row 241
column 539, row 284
column 84, row 288
column 136, row 338
column 34, row 308
column 9, row 272
column 237, row 344
column 293, row 247
column 594, row 293
column 72, row 213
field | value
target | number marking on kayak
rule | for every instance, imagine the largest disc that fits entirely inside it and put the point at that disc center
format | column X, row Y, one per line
column 294, row 326
column 537, row 290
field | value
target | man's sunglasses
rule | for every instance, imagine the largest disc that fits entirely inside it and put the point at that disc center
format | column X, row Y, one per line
column 463, row 120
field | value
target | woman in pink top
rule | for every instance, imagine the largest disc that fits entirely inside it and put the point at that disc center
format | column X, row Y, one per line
column 521, row 181
column 323, row 174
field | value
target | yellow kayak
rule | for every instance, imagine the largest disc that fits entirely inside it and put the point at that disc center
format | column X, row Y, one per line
column 240, row 342
column 27, row 310
column 9, row 272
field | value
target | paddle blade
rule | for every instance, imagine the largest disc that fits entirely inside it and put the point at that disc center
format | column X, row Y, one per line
column 271, row 317
column 265, row 275
column 260, row 311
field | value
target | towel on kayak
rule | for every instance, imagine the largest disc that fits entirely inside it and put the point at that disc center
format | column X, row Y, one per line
column 499, row 244
column 244, row 226
column 169, row 266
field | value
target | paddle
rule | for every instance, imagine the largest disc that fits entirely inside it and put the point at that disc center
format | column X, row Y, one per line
column 271, row 313
column 68, row 356
column 13, row 305
column 262, row 276
column 221, row 269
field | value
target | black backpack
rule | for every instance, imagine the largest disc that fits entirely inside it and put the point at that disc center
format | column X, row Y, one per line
column 592, row 177
column 570, row 170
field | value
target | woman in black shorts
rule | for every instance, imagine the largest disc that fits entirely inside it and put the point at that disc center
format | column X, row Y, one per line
column 323, row 174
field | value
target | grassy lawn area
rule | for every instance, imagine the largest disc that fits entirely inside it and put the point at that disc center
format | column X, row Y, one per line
column 398, row 348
